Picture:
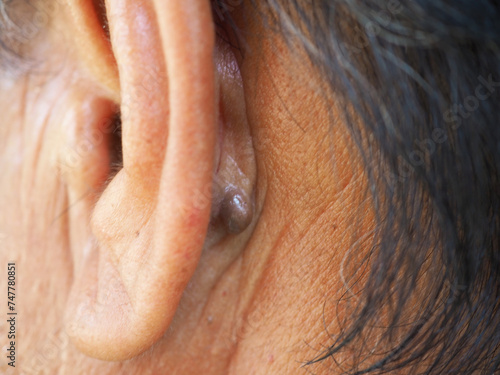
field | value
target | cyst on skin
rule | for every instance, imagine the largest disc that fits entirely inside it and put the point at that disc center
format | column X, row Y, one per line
column 236, row 210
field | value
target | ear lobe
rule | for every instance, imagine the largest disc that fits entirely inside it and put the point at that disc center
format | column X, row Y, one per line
column 149, row 224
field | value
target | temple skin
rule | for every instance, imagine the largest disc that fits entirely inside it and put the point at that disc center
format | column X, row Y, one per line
column 254, row 291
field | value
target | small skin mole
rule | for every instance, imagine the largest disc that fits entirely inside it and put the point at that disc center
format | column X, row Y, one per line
column 236, row 211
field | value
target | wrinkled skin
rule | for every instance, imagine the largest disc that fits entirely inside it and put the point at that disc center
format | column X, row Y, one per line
column 156, row 267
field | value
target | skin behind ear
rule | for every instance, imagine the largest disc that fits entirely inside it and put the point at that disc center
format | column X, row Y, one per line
column 151, row 221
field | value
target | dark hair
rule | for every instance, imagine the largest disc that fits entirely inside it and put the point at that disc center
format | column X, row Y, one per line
column 423, row 80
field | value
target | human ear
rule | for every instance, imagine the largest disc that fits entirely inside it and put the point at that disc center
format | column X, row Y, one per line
column 151, row 221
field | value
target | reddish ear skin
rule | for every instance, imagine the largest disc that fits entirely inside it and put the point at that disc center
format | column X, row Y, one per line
column 148, row 226
column 92, row 45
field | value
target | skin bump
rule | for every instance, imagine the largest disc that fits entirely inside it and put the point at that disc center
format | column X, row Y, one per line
column 236, row 210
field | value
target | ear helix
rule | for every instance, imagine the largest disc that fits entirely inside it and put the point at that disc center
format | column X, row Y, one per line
column 150, row 225
column 147, row 228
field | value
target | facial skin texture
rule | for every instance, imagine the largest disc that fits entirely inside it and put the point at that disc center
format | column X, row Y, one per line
column 152, row 269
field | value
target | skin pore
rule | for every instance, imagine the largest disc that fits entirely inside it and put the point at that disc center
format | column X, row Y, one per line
column 218, row 248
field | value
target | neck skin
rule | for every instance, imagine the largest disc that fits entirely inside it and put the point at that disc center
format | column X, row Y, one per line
column 263, row 298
